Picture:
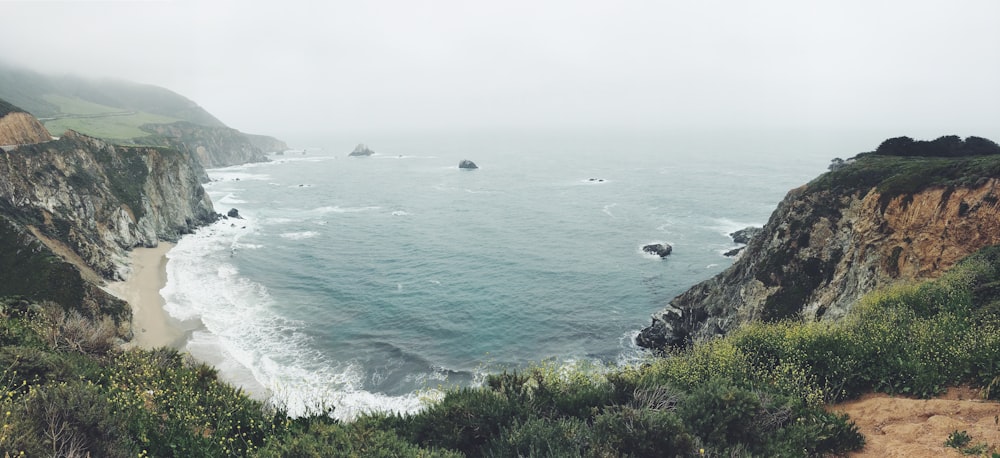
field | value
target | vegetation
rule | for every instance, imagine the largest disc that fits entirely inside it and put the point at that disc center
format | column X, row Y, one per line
column 762, row 391
column 98, row 120
column 894, row 175
column 46, row 96
column 6, row 108
column 32, row 270
column 947, row 146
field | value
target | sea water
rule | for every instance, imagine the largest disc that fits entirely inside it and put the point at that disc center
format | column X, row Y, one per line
column 365, row 283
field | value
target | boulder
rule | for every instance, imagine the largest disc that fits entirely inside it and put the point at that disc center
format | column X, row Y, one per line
column 467, row 164
column 360, row 150
column 660, row 249
column 746, row 234
column 234, row 213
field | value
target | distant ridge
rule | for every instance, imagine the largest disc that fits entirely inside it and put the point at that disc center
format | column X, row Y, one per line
column 127, row 113
column 27, row 89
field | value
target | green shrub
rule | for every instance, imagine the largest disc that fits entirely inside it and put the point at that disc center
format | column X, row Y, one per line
column 720, row 413
column 466, row 419
column 643, row 432
column 539, row 437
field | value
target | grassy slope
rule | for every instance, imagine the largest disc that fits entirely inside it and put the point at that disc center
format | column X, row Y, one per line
column 98, row 120
column 895, row 175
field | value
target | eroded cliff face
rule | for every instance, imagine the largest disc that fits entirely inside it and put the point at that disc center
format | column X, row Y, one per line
column 210, row 146
column 19, row 128
column 823, row 248
column 89, row 201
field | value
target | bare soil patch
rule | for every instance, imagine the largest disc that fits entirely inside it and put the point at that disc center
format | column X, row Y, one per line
column 905, row 427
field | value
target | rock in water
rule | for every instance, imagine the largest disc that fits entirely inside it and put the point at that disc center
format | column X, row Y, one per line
column 660, row 249
column 467, row 164
column 234, row 213
column 746, row 234
column 733, row 252
column 361, row 150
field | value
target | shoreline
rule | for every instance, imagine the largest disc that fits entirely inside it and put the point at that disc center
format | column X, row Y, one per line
column 151, row 326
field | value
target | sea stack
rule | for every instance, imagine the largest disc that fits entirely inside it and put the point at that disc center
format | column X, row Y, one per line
column 467, row 164
column 659, row 249
column 361, row 150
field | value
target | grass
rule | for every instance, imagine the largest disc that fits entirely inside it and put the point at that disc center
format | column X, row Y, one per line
column 100, row 120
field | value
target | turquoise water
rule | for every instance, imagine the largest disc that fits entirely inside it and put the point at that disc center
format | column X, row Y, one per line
column 361, row 281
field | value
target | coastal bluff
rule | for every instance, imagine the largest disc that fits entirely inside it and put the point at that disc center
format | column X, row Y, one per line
column 892, row 215
column 72, row 208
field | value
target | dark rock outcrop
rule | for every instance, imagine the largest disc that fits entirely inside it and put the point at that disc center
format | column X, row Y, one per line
column 362, row 150
column 467, row 164
column 873, row 222
column 234, row 213
column 734, row 252
column 659, row 249
column 745, row 235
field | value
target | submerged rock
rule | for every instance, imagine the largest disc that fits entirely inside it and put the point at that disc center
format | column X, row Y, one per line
column 660, row 249
column 467, row 164
column 361, row 150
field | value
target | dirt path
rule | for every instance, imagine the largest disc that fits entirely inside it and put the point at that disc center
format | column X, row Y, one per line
column 903, row 427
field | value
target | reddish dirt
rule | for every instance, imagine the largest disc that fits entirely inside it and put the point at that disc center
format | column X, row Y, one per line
column 905, row 427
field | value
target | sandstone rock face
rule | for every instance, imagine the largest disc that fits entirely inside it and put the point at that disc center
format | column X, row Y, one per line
column 20, row 128
column 823, row 249
column 93, row 201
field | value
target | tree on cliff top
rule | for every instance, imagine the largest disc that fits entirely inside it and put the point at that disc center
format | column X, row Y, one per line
column 946, row 146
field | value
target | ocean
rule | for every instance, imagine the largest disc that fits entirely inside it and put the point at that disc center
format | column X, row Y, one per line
column 370, row 283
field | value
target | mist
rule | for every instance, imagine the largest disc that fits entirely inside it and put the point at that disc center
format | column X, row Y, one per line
column 293, row 68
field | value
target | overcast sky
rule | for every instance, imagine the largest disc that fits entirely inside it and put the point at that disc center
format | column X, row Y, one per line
column 290, row 66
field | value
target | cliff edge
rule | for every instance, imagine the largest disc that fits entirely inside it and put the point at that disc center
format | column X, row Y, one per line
column 895, row 214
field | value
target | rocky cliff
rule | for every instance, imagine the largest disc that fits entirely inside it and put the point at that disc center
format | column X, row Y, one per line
column 211, row 146
column 872, row 221
column 18, row 128
column 89, row 201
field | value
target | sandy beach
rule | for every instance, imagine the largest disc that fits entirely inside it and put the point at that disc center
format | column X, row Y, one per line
column 151, row 326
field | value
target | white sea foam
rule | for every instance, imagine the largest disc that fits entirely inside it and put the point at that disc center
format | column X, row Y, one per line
column 399, row 213
column 250, row 343
column 299, row 235
column 229, row 199
column 726, row 226
column 338, row 209
column 607, row 210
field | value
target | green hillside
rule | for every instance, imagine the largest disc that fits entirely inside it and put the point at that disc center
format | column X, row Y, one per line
column 68, row 97
column 98, row 120
column 6, row 108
